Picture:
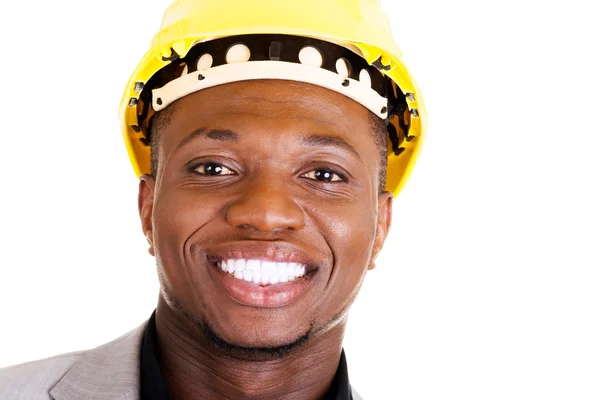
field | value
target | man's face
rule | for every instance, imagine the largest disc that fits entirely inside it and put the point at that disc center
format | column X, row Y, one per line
column 272, row 171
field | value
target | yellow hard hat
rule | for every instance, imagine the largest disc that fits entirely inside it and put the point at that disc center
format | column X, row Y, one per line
column 354, row 31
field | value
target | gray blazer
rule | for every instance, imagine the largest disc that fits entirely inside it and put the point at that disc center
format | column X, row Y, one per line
column 108, row 372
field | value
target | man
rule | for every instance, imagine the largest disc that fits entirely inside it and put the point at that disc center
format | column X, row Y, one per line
column 270, row 138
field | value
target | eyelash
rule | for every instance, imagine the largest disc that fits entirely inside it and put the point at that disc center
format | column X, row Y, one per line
column 342, row 178
column 194, row 168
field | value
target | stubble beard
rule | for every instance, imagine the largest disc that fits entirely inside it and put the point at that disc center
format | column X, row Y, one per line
column 222, row 346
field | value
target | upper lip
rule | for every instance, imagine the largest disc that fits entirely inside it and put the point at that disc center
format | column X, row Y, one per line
column 264, row 251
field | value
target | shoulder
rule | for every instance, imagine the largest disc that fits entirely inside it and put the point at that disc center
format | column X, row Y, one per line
column 34, row 379
column 113, row 367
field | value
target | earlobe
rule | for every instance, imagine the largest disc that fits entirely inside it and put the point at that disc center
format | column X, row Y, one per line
column 145, row 207
column 384, row 222
column 150, row 242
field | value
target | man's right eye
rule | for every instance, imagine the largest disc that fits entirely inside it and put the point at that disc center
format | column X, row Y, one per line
column 213, row 169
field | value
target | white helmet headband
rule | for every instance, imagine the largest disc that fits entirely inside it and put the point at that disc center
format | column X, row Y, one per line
column 294, row 58
column 275, row 56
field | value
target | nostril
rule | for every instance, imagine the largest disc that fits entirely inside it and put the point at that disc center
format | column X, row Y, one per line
column 246, row 227
column 265, row 211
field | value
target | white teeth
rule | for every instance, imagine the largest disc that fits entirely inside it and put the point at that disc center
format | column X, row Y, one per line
column 291, row 270
column 247, row 275
column 240, row 265
column 268, row 269
column 282, row 269
column 265, row 277
column 231, row 266
column 263, row 272
column 253, row 265
column 274, row 278
column 256, row 276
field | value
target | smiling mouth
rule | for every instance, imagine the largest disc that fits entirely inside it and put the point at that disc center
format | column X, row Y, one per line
column 263, row 276
column 262, row 272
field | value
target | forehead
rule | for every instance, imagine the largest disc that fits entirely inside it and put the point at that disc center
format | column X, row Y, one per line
column 269, row 107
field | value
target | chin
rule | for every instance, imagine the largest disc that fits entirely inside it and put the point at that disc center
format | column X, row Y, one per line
column 262, row 345
column 256, row 332
column 246, row 329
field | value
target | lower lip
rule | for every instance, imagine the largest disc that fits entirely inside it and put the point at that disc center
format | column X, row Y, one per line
column 253, row 295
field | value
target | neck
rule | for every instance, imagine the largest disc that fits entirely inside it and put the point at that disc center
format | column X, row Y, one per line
column 194, row 368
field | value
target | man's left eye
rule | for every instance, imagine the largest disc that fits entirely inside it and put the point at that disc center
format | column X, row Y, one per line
column 324, row 175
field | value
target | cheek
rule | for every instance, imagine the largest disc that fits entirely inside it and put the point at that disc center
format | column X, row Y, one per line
column 352, row 250
column 177, row 215
column 350, row 236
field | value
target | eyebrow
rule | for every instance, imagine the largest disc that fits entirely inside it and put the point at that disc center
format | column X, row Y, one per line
column 330, row 141
column 222, row 135
column 314, row 140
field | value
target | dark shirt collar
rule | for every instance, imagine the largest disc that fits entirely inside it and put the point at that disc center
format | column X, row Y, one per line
column 153, row 387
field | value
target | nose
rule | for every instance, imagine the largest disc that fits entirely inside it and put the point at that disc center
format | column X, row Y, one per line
column 265, row 205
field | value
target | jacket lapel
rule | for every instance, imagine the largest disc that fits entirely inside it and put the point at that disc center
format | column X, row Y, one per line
column 109, row 372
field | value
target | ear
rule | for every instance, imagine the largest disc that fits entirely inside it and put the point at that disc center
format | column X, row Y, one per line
column 145, row 207
column 384, row 222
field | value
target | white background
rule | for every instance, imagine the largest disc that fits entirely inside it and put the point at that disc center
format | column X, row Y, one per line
column 489, row 285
